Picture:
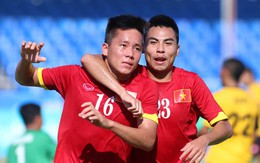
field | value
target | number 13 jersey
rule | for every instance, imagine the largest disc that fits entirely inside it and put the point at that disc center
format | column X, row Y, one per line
column 181, row 102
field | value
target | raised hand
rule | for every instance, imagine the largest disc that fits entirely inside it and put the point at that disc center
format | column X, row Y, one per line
column 31, row 52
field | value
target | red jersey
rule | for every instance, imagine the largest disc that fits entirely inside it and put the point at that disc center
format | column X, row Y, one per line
column 181, row 102
column 80, row 141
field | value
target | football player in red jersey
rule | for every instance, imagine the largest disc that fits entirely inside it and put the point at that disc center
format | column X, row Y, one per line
column 95, row 126
column 183, row 98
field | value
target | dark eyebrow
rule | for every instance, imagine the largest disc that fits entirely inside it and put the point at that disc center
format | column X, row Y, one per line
column 127, row 42
column 139, row 45
column 169, row 39
column 153, row 38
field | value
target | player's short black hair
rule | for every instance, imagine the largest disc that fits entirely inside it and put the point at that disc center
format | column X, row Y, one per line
column 29, row 111
column 123, row 22
column 162, row 21
column 235, row 67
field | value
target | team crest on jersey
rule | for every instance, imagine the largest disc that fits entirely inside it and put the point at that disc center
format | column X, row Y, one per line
column 88, row 87
column 182, row 95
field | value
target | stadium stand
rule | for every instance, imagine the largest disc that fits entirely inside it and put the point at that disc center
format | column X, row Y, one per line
column 66, row 40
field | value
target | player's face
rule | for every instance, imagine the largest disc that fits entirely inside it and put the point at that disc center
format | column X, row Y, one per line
column 246, row 78
column 161, row 49
column 123, row 53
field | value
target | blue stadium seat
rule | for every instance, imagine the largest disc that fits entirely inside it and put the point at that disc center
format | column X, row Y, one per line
column 66, row 40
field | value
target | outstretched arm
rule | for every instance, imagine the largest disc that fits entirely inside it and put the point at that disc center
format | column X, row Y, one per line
column 26, row 73
column 96, row 67
column 196, row 149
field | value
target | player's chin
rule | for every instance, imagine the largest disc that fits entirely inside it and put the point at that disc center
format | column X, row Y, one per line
column 128, row 69
column 126, row 72
column 159, row 69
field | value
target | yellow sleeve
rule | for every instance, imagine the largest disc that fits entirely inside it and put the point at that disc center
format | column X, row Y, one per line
column 221, row 116
column 39, row 73
column 152, row 117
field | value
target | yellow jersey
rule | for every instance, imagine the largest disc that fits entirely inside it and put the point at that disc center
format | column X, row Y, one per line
column 241, row 109
column 254, row 88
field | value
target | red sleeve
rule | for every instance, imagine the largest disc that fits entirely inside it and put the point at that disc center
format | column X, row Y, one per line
column 207, row 107
column 58, row 78
column 149, row 96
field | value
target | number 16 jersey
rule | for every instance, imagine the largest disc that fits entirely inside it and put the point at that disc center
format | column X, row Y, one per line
column 80, row 141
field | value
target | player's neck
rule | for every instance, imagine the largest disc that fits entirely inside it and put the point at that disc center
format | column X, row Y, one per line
column 163, row 76
column 230, row 83
column 33, row 127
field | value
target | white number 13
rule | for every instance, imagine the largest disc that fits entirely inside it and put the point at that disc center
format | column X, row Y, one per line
column 164, row 111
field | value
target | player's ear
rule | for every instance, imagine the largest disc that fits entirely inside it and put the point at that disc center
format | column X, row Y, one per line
column 105, row 49
column 178, row 50
column 38, row 121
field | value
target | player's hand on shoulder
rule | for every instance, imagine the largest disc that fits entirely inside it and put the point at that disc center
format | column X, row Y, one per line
column 132, row 104
column 136, row 109
column 30, row 52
